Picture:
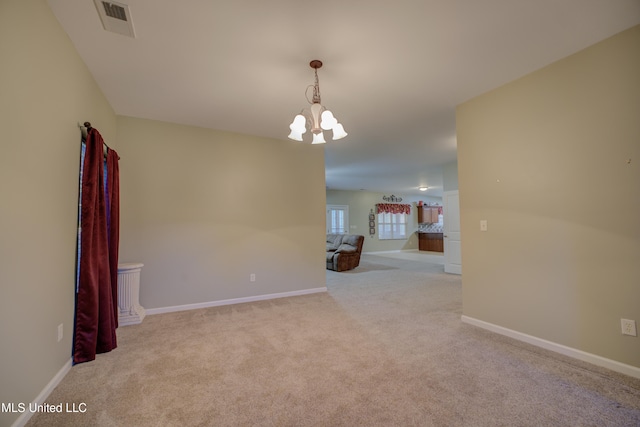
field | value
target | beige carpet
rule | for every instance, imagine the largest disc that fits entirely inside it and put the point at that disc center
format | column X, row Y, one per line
column 384, row 347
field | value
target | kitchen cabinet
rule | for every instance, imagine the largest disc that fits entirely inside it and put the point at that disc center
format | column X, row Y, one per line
column 427, row 214
column 432, row 242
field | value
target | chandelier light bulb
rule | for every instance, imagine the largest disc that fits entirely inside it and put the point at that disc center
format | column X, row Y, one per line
column 297, row 127
column 338, row 132
column 328, row 121
column 318, row 138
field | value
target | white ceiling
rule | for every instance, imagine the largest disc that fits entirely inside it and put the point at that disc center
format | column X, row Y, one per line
column 393, row 71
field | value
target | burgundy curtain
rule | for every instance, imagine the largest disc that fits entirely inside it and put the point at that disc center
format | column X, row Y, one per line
column 393, row 208
column 97, row 291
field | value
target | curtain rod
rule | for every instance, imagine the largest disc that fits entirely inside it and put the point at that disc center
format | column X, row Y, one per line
column 85, row 130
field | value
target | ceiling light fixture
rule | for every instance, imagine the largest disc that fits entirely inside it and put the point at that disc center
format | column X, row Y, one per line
column 423, row 188
column 317, row 117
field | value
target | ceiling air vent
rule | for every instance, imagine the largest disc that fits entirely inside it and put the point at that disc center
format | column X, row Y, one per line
column 115, row 17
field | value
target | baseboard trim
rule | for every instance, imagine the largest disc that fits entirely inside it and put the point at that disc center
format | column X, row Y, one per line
column 396, row 251
column 42, row 397
column 160, row 310
column 613, row 365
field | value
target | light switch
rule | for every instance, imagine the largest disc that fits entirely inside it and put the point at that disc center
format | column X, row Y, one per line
column 483, row 225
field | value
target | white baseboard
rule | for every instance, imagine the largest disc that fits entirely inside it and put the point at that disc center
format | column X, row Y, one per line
column 395, row 251
column 40, row 399
column 196, row 306
column 613, row 365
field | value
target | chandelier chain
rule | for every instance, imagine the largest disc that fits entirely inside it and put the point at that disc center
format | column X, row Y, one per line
column 316, row 89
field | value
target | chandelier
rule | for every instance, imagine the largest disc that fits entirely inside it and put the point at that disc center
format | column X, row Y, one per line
column 316, row 117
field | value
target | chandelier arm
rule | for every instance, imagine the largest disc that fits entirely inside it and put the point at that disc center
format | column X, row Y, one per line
column 306, row 93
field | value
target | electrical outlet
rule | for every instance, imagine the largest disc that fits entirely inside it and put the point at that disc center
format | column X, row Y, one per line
column 483, row 225
column 252, row 277
column 60, row 332
column 628, row 327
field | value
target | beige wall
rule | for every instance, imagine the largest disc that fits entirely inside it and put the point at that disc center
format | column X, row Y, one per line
column 45, row 89
column 544, row 160
column 200, row 208
column 204, row 209
column 450, row 176
column 360, row 204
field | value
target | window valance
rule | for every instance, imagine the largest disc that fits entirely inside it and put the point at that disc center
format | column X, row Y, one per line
column 394, row 208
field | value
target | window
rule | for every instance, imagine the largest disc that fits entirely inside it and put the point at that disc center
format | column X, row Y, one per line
column 392, row 226
column 337, row 219
column 392, row 220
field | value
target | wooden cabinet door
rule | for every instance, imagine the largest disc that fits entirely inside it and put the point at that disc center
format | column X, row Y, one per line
column 431, row 242
column 438, row 245
column 423, row 243
column 427, row 214
column 433, row 215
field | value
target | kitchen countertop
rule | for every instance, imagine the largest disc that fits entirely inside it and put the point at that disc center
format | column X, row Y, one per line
column 432, row 228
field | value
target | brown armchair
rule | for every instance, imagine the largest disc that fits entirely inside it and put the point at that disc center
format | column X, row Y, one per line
column 343, row 251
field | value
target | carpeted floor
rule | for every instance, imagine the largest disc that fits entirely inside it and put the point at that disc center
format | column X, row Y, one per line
column 384, row 347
